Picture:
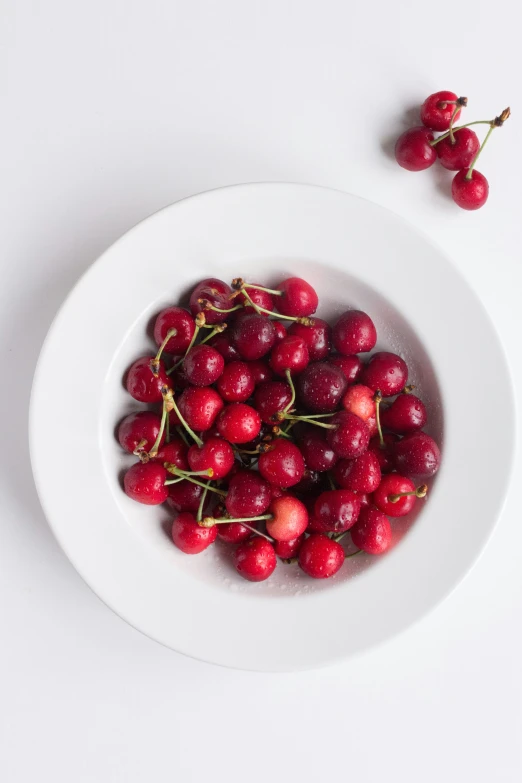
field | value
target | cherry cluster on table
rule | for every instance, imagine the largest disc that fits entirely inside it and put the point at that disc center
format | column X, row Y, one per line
column 275, row 439
column 457, row 149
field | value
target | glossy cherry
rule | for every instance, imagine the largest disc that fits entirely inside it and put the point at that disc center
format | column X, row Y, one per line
column 175, row 452
column 317, row 452
column 317, row 336
column 233, row 532
column 141, row 382
column 470, row 193
column 436, row 112
column 200, row 407
column 214, row 291
column 203, row 365
column 362, row 474
column 384, row 453
column 321, row 387
column 255, row 559
column 288, row 549
column 290, row 354
column 351, row 366
column 280, row 332
column 413, row 150
column 282, row 463
column 215, row 454
column 189, row 536
column 259, row 296
column 260, row 370
column 385, row 498
column 320, row 557
column 174, row 318
column 349, row 437
column 137, row 432
column 239, row 423
column 248, row 495
column 354, row 332
column 299, row 298
column 289, row 518
column 458, row 153
column 312, row 481
column 236, row 383
column 336, row 510
column 223, row 343
column 253, row 336
column 271, row 398
column 145, row 483
column 186, row 496
column 359, row 400
column 385, row 372
column 406, row 414
column 372, row 532
column 417, row 455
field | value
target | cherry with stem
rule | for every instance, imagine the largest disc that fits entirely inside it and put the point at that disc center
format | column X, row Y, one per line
column 155, row 363
column 420, row 492
column 200, row 322
column 170, row 404
column 211, row 521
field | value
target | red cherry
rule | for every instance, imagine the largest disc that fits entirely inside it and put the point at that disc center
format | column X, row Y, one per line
column 200, row 407
column 174, row 318
column 145, row 483
column 280, row 332
column 354, row 332
column 385, row 372
column 350, row 436
column 436, row 112
column 138, row 431
column 417, row 455
column 299, row 298
column 288, row 549
column 290, row 354
column 321, row 387
column 360, row 475
column 318, row 338
column 312, row 480
column 215, row 454
column 372, row 532
column 255, row 559
column 458, row 154
column 175, row 452
column 253, row 335
column 351, row 366
column 289, row 518
column 217, row 293
column 141, row 382
column 317, row 453
column 471, row 193
column 186, row 496
column 406, row 414
column 239, row 423
column 336, row 510
column 320, row 557
column 391, row 485
column 203, row 365
column 259, row 297
column 236, row 384
column 359, row 400
column 248, row 495
column 413, row 150
column 223, row 343
column 178, row 379
column 261, row 372
column 271, row 398
column 384, row 455
column 189, row 536
column 282, row 463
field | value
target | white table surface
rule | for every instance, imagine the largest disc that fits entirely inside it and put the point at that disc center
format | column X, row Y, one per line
column 112, row 109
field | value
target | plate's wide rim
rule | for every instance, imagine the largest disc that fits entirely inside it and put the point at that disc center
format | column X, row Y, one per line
column 244, row 188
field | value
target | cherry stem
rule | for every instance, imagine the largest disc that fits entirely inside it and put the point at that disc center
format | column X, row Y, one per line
column 473, row 162
column 181, row 433
column 455, row 112
column 352, row 554
column 139, row 451
column 279, row 433
column 209, row 306
column 191, row 343
column 331, row 481
column 459, row 127
column 216, row 330
column 171, row 405
column 183, row 475
column 155, row 362
column 301, row 320
column 408, row 389
column 292, row 388
column 211, row 521
column 167, row 430
column 378, row 399
column 311, row 420
column 199, row 515
column 164, row 417
column 420, row 492
column 262, row 288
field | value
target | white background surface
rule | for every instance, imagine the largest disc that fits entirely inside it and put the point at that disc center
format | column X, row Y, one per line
column 112, row 109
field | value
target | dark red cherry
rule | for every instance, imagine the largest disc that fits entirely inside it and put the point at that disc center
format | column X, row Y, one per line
column 290, row 354
column 223, row 343
column 203, row 365
column 289, row 518
column 186, row 496
column 233, row 532
column 436, row 112
column 392, row 485
column 248, row 495
column 458, row 154
column 359, row 400
column 288, row 549
column 337, row 510
column 145, row 483
column 312, row 481
column 317, row 452
column 138, row 431
column 351, row 366
column 174, row 318
column 258, row 296
column 417, row 455
column 320, row 557
column 280, row 332
column 299, row 298
column 236, row 383
column 239, row 423
column 384, row 455
column 189, row 536
column 253, row 335
column 141, row 382
column 271, row 398
column 255, row 559
column 178, row 379
column 175, row 451
column 282, row 463
column 413, row 150
column 354, row 332
column 385, row 372
column 406, row 414
column 200, row 407
column 215, row 454
column 350, row 436
column 217, row 293
column 318, row 338
column 321, row 387
column 362, row 474
column 372, row 532
column 261, row 372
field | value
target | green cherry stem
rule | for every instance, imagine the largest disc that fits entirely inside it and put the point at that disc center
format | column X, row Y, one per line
column 420, row 492
column 459, row 127
column 272, row 291
column 292, row 388
column 496, row 123
column 199, row 515
column 181, row 433
column 206, row 305
column 301, row 320
column 155, row 363
column 455, row 112
column 164, row 418
column 182, row 476
column 168, row 397
column 331, row 481
column 211, row 521
column 378, row 399
column 216, row 330
column 311, row 420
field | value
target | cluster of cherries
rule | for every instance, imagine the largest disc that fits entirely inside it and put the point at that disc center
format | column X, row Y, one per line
column 457, row 149
column 269, row 440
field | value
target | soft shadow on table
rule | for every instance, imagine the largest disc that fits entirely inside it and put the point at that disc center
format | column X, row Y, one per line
column 408, row 119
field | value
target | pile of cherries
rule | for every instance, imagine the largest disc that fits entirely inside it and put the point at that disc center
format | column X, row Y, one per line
column 457, row 149
column 270, row 431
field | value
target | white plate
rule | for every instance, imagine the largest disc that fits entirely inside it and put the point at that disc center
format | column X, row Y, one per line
column 356, row 254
